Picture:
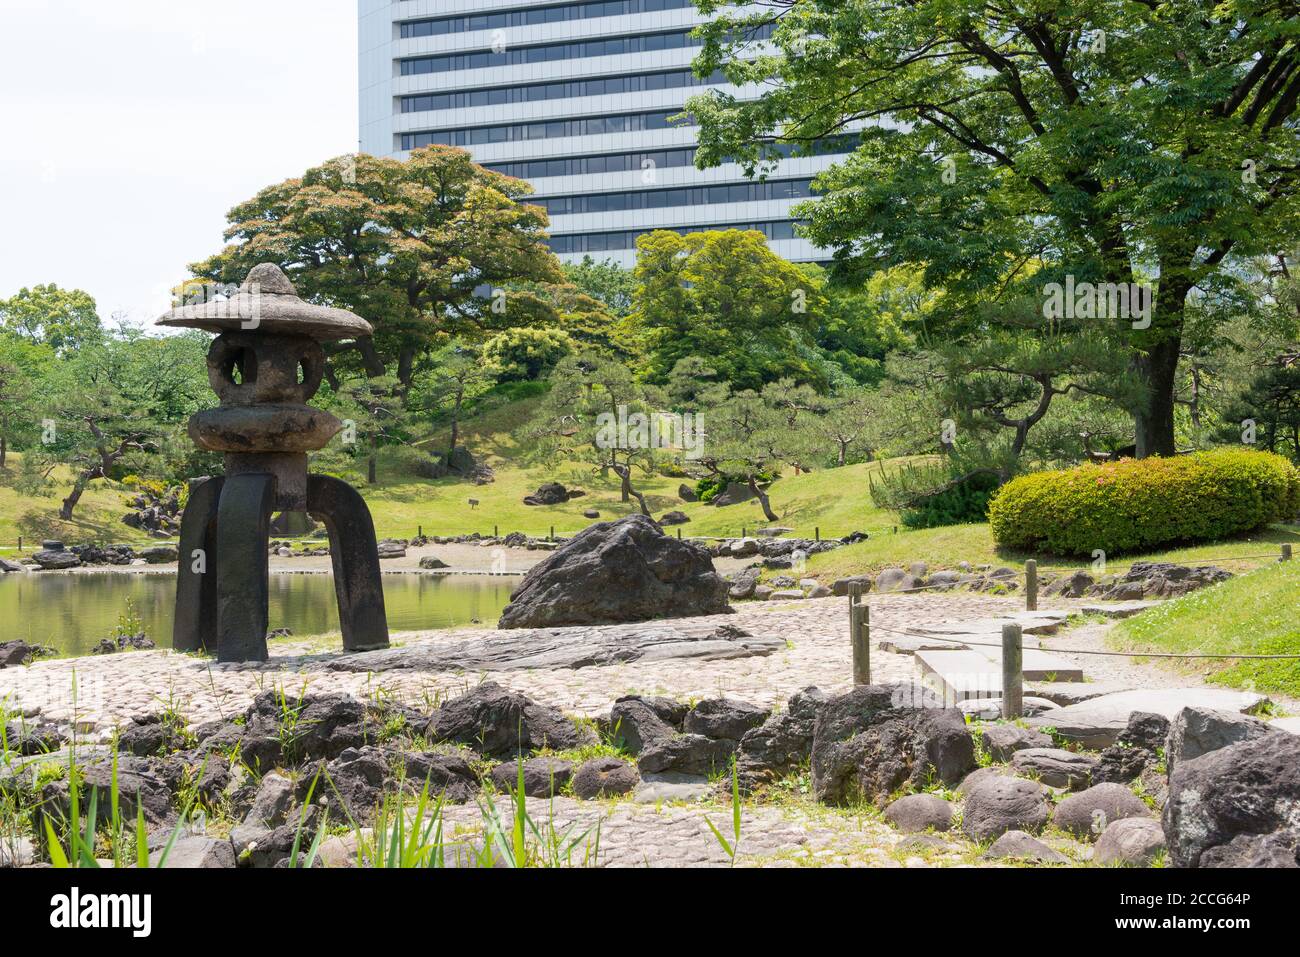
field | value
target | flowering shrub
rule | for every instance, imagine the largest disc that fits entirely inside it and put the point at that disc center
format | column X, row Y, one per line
column 1139, row 504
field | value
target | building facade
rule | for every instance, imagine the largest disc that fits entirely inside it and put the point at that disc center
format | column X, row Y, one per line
column 575, row 97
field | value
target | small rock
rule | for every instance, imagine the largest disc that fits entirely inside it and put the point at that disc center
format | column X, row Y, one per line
column 723, row 718
column 1019, row 846
column 1001, row 741
column 919, row 812
column 1087, row 814
column 190, row 853
column 674, row 518
column 995, row 805
column 543, row 777
column 1131, row 840
column 1055, row 767
column 604, row 777
column 432, row 562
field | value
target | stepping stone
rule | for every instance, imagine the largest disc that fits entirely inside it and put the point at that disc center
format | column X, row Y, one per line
column 990, row 709
column 1118, row 609
column 1096, row 724
column 1067, row 693
column 1286, row 724
column 910, row 646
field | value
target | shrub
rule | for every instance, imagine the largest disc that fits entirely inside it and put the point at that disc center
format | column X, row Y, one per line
column 1132, row 505
column 929, row 495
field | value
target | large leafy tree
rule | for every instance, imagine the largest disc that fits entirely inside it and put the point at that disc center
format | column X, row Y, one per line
column 423, row 248
column 726, row 296
column 63, row 319
column 1010, row 144
column 22, row 367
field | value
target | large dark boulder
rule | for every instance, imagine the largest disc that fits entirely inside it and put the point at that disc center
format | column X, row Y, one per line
column 604, row 777
column 687, row 754
column 550, row 493
column 1222, row 805
column 1198, row 731
column 876, row 739
column 500, row 722
column 621, row 571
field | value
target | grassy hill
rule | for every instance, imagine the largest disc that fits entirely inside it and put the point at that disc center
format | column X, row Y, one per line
column 98, row 516
column 834, row 500
column 1256, row 613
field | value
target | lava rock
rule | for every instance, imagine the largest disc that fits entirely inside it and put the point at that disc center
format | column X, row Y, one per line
column 997, row 804
column 919, row 812
column 687, row 754
column 543, row 777
column 500, row 722
column 1198, row 731
column 674, row 518
column 150, row 734
column 551, row 493
column 1132, row 840
column 1088, row 813
column 1138, row 748
column 1055, row 767
column 1019, row 846
column 621, row 571
column 19, row 652
column 448, row 776
column 636, row 724
column 52, row 560
column 1002, row 741
column 191, row 853
column 1250, row 789
column 432, row 562
column 782, row 743
column 604, row 777
column 724, row 718
column 876, row 739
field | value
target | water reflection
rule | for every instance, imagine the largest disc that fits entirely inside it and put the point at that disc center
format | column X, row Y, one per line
column 71, row 613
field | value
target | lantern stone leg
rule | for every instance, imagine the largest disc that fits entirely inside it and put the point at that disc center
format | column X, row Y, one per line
column 354, row 553
column 243, row 531
column 194, row 625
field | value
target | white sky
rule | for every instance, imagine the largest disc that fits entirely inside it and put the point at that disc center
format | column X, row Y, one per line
column 129, row 127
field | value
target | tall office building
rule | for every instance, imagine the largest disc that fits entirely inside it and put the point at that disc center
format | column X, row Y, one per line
column 574, row 97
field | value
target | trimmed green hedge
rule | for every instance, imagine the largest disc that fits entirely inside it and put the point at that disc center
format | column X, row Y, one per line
column 1139, row 504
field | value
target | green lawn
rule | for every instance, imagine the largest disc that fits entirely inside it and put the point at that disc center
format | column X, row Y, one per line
column 945, row 547
column 97, row 518
column 1256, row 613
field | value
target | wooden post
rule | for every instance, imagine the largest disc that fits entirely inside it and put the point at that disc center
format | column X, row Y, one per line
column 1031, row 585
column 20, row 543
column 860, row 635
column 818, row 532
column 496, row 531
column 743, row 532
column 421, row 531
column 552, row 533
column 679, row 534
column 1013, row 700
column 1286, row 550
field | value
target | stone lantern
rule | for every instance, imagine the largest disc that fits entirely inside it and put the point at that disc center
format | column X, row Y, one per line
column 265, row 364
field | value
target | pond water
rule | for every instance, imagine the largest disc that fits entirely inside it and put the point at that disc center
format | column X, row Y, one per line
column 71, row 613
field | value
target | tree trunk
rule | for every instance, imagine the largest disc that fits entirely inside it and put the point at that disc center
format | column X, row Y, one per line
column 844, row 447
column 455, row 425
column 69, row 503
column 625, row 475
column 4, row 450
column 372, row 471
column 762, row 500
column 1153, row 420
column 370, row 358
